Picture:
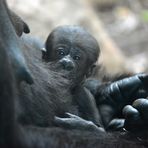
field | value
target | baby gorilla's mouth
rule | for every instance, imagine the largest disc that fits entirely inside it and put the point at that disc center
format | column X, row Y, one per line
column 67, row 74
column 56, row 66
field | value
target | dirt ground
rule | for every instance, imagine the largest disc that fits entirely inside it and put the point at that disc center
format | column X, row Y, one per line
column 121, row 21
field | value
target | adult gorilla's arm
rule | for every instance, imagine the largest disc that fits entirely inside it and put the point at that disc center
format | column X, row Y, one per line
column 121, row 91
column 11, row 40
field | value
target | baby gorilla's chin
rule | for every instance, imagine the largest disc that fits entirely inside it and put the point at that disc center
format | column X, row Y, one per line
column 69, row 75
column 56, row 66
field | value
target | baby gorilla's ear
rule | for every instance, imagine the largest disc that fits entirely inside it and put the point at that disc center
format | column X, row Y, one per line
column 90, row 70
column 44, row 54
column 19, row 25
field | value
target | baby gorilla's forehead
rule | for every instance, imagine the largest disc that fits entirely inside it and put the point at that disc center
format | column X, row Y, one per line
column 77, row 39
column 73, row 38
column 73, row 34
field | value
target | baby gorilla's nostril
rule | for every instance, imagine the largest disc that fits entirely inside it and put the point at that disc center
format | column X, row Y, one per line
column 67, row 64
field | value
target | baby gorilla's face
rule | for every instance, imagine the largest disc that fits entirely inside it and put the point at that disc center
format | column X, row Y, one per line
column 73, row 50
column 72, row 61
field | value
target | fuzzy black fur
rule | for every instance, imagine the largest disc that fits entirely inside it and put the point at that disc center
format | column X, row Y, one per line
column 47, row 97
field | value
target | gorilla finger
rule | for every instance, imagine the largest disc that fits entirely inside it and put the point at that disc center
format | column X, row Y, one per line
column 58, row 119
column 70, row 123
column 72, row 116
column 116, row 125
column 124, row 88
column 26, row 28
column 133, row 121
column 142, row 106
column 144, row 79
column 63, row 122
column 129, row 111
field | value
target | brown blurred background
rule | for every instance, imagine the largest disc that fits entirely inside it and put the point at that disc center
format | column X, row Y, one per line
column 120, row 26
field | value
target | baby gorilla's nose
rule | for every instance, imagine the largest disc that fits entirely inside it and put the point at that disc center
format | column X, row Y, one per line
column 67, row 63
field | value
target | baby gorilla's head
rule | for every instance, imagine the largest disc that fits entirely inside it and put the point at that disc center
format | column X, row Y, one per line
column 73, row 50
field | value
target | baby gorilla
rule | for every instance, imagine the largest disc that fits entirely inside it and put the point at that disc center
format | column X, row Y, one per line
column 73, row 50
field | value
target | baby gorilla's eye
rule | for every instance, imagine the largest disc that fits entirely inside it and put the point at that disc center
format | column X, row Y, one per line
column 60, row 51
column 76, row 57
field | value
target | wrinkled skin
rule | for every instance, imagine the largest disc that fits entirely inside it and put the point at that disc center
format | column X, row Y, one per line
column 136, row 116
column 111, row 97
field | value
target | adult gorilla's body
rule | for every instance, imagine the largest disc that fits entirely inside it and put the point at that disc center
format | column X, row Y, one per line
column 40, row 101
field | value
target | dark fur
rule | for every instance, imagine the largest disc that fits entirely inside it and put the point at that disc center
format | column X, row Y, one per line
column 47, row 97
column 75, row 41
column 14, row 134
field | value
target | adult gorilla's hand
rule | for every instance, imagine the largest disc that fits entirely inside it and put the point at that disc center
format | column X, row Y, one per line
column 111, row 97
column 136, row 116
column 129, row 89
column 121, row 92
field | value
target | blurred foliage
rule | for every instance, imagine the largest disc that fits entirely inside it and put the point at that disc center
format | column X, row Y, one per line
column 144, row 15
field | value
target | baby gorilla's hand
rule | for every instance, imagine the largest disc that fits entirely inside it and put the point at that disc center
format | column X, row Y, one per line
column 76, row 122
